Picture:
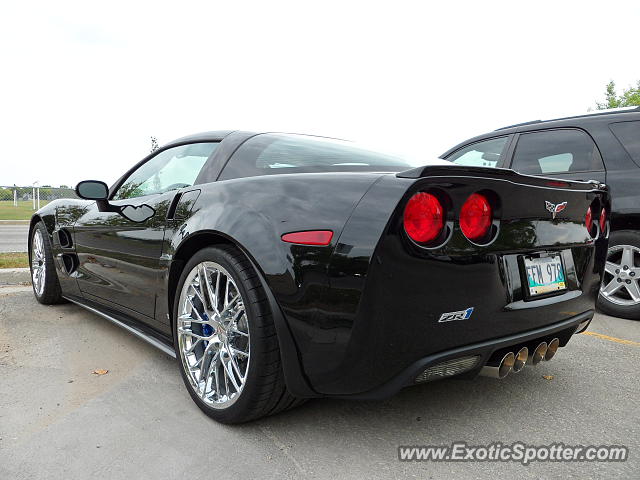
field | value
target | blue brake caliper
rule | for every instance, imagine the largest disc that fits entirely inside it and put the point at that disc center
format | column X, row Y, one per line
column 206, row 329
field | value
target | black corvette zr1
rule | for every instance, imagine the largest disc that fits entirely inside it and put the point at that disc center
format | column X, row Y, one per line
column 282, row 267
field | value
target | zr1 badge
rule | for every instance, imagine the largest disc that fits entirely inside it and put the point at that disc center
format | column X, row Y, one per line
column 460, row 315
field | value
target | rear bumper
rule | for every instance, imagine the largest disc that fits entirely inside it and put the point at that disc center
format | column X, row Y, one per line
column 562, row 330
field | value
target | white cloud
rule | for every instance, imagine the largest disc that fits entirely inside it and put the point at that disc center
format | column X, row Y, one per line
column 83, row 85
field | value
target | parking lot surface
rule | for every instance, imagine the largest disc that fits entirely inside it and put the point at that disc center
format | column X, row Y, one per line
column 60, row 420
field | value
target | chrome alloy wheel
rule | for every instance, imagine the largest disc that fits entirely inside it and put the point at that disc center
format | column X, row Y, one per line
column 38, row 262
column 213, row 335
column 621, row 282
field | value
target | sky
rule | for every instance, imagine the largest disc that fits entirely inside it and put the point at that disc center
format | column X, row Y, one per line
column 84, row 85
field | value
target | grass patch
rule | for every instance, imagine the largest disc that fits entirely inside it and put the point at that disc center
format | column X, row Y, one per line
column 23, row 211
column 14, row 260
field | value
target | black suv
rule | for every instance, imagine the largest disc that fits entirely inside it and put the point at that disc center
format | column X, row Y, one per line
column 602, row 146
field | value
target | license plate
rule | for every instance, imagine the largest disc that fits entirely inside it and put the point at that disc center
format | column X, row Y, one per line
column 544, row 274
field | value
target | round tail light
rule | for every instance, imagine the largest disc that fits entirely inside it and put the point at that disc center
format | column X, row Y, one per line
column 476, row 217
column 423, row 217
column 588, row 221
column 603, row 220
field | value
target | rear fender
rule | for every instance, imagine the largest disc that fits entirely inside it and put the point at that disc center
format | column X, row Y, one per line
column 245, row 212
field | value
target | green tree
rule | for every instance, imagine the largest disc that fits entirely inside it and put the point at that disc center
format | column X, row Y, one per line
column 630, row 97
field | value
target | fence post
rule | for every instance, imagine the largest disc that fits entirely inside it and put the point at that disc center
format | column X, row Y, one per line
column 38, row 193
column 15, row 197
column 33, row 197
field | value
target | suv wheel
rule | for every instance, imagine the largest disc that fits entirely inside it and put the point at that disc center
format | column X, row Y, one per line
column 620, row 292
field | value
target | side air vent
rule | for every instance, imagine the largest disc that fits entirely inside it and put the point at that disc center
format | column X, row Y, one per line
column 70, row 262
column 65, row 238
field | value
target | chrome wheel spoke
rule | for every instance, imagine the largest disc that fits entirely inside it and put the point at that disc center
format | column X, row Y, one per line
column 229, row 371
column 216, row 377
column 235, row 351
column 194, row 346
column 207, row 359
column 208, row 380
column 190, row 319
column 218, row 275
column 229, row 305
column 198, row 294
column 186, row 331
column 213, row 335
column 235, row 331
column 205, row 288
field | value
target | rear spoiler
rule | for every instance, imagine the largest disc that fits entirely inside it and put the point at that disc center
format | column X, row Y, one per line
column 500, row 174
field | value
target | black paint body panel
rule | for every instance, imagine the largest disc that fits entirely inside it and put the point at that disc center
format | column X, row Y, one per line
column 358, row 316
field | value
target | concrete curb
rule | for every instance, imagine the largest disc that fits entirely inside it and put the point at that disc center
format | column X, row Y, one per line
column 15, row 276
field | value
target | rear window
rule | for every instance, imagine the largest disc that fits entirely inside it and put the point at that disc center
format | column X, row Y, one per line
column 269, row 154
column 629, row 135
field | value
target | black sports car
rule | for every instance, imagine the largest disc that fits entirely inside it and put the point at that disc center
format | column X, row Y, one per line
column 280, row 267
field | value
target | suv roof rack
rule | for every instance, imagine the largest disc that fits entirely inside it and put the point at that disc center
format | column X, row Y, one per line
column 519, row 124
column 595, row 113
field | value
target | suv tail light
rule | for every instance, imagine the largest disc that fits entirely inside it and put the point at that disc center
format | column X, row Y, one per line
column 423, row 217
column 476, row 216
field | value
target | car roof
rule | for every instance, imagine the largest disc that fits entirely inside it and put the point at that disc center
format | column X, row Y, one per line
column 590, row 118
column 212, row 136
column 219, row 135
column 604, row 115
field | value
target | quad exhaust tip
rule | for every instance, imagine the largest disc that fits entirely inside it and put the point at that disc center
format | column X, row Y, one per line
column 520, row 359
column 499, row 369
column 552, row 348
column 538, row 354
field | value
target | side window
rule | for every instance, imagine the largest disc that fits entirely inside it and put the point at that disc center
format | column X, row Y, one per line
column 171, row 169
column 556, row 151
column 486, row 153
column 629, row 135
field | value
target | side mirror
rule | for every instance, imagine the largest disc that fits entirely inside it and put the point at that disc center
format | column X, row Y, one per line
column 92, row 190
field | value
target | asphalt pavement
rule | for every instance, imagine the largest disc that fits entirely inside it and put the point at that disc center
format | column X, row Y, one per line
column 13, row 236
column 60, row 420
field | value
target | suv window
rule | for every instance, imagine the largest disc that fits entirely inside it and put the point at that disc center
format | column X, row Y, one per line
column 628, row 133
column 486, row 153
column 270, row 154
column 556, row 151
column 170, row 169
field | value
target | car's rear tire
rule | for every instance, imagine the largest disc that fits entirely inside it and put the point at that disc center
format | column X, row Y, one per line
column 227, row 349
column 620, row 292
column 44, row 278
